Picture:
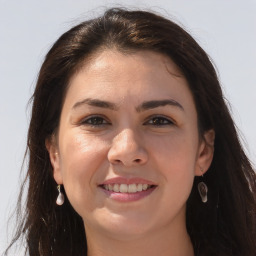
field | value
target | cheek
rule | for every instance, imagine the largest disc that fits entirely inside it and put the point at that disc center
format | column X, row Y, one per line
column 81, row 157
column 178, row 152
column 176, row 159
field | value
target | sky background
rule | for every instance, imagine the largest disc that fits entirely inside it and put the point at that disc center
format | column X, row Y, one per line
column 226, row 29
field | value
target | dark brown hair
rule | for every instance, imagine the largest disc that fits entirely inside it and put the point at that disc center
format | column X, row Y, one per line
column 225, row 225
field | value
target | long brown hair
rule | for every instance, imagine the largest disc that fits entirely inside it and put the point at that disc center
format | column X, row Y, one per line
column 225, row 225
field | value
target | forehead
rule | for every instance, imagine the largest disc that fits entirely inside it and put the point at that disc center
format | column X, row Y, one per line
column 142, row 60
column 112, row 75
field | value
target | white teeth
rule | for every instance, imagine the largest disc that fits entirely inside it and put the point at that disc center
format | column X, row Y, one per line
column 144, row 186
column 116, row 188
column 132, row 188
column 139, row 187
column 125, row 188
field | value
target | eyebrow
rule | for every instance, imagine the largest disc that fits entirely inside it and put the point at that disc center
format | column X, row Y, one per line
column 158, row 103
column 96, row 103
column 142, row 107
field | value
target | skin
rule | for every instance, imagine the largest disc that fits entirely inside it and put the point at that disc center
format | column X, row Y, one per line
column 160, row 144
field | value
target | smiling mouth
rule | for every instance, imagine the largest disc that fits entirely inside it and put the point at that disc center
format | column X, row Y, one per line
column 127, row 188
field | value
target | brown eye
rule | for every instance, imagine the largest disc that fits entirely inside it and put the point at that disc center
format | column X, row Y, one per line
column 159, row 121
column 94, row 121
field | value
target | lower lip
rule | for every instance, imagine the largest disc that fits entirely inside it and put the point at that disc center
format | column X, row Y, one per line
column 128, row 197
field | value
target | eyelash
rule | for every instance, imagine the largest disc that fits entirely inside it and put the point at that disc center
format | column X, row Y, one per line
column 159, row 121
column 93, row 121
column 98, row 121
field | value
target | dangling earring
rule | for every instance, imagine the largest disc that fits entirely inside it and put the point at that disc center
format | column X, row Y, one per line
column 202, row 189
column 60, row 198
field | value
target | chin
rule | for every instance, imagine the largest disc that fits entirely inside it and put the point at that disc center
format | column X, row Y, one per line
column 126, row 226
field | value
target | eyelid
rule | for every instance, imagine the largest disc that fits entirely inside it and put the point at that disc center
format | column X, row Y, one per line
column 84, row 121
column 170, row 120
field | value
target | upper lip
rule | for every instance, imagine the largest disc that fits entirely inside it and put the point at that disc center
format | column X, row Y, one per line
column 124, row 180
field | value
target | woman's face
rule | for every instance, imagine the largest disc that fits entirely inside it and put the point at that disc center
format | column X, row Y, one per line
column 128, row 146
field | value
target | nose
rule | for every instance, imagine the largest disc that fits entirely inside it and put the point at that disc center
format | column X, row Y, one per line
column 126, row 149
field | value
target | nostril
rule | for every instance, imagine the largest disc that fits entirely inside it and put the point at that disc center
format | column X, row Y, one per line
column 117, row 161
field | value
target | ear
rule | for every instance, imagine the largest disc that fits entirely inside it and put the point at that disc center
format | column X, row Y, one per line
column 205, row 153
column 52, row 148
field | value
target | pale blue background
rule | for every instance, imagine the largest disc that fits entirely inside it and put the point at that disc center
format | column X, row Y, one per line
column 226, row 29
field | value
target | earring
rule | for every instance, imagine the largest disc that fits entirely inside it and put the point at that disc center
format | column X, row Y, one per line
column 60, row 198
column 203, row 189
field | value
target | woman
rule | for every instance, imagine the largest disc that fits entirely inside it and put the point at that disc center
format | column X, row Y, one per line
column 131, row 134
